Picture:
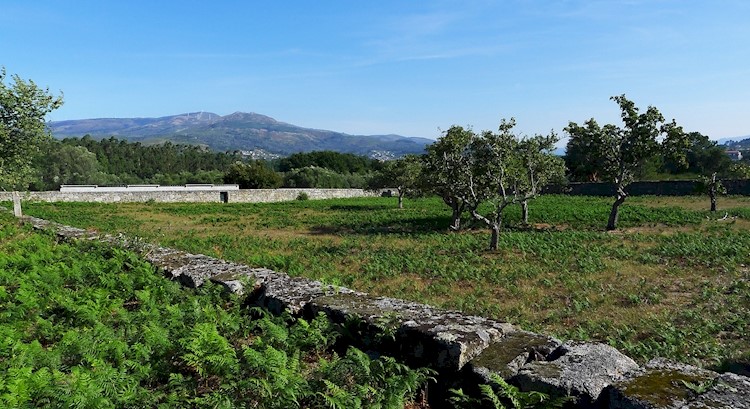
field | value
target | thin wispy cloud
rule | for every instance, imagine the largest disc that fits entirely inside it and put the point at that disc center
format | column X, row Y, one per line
column 435, row 35
column 360, row 64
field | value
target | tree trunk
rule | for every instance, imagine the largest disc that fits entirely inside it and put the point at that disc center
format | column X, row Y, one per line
column 712, row 195
column 525, row 211
column 495, row 226
column 456, row 219
column 400, row 200
column 495, row 236
column 612, row 224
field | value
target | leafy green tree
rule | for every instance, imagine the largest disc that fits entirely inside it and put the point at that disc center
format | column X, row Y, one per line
column 163, row 164
column 583, row 154
column 713, row 187
column 253, row 175
column 501, row 169
column 739, row 170
column 509, row 170
column 540, row 167
column 702, row 157
column 23, row 106
column 622, row 152
column 448, row 170
column 402, row 174
column 315, row 177
column 70, row 165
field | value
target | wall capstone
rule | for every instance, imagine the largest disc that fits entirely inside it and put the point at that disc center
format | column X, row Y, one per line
column 579, row 369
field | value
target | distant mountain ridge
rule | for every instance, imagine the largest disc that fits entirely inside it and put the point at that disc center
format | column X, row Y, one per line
column 250, row 132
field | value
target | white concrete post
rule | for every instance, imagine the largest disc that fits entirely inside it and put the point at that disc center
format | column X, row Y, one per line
column 17, row 205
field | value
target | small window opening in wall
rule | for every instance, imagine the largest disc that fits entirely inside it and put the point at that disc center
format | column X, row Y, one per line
column 224, row 197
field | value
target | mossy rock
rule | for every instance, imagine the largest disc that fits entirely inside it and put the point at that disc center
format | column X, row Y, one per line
column 509, row 354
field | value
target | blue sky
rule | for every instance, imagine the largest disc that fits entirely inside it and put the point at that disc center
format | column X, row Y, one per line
column 404, row 67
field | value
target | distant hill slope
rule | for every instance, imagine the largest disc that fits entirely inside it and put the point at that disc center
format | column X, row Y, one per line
column 740, row 142
column 255, row 133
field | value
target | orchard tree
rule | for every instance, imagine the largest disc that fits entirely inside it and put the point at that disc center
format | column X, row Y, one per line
column 702, row 157
column 448, row 170
column 621, row 152
column 496, row 167
column 510, row 170
column 541, row 167
column 584, row 153
column 713, row 187
column 23, row 106
column 403, row 174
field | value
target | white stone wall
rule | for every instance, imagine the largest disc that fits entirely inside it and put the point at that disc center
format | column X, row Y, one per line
column 234, row 196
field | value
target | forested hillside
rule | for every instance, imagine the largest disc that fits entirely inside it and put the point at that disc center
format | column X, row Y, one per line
column 114, row 162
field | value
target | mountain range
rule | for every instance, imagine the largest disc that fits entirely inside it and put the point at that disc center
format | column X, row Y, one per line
column 254, row 134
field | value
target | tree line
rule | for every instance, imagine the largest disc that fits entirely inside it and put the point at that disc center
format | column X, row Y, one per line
column 113, row 162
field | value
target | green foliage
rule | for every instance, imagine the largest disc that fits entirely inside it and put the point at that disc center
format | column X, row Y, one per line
column 67, row 164
column 23, row 106
column 500, row 395
column 209, row 353
column 253, row 175
column 619, row 154
column 342, row 163
column 703, row 156
column 316, row 177
column 112, row 162
column 87, row 326
column 404, row 174
column 357, row 381
column 448, row 170
column 712, row 187
column 500, row 168
column 302, row 196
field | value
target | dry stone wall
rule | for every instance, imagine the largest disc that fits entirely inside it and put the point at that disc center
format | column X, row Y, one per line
column 465, row 349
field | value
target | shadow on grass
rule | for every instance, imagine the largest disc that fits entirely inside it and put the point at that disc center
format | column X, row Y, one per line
column 416, row 225
column 362, row 207
column 423, row 225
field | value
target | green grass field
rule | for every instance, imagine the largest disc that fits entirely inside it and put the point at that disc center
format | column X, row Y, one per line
column 672, row 281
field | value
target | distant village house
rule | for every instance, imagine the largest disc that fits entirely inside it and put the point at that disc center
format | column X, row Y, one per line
column 734, row 155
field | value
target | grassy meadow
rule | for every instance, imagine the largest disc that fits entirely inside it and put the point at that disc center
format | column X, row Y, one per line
column 672, row 281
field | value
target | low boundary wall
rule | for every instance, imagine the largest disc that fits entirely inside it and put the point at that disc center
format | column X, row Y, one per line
column 196, row 196
column 655, row 188
column 464, row 349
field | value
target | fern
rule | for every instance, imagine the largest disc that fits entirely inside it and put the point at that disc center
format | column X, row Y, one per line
column 375, row 383
column 489, row 395
column 501, row 395
column 87, row 326
column 336, row 397
column 209, row 353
